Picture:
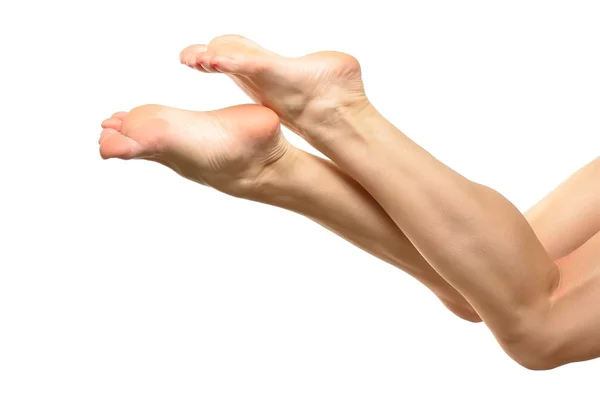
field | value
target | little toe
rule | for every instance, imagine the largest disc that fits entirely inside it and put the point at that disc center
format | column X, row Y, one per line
column 112, row 123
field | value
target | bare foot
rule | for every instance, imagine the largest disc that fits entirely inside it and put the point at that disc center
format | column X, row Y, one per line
column 227, row 149
column 304, row 92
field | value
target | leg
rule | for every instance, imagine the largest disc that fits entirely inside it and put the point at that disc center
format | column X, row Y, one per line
column 478, row 241
column 559, row 228
column 251, row 159
column 472, row 236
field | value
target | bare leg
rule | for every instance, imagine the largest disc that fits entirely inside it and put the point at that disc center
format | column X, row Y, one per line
column 472, row 235
column 240, row 151
column 480, row 243
column 561, row 229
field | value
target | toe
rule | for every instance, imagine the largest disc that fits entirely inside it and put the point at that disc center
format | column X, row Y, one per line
column 234, row 41
column 205, row 60
column 194, row 64
column 119, row 115
column 200, row 68
column 191, row 51
column 112, row 123
column 105, row 133
column 244, row 65
column 225, row 64
column 188, row 56
column 116, row 145
column 247, row 56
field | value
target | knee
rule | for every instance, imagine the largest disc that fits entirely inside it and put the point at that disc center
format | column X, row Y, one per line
column 533, row 346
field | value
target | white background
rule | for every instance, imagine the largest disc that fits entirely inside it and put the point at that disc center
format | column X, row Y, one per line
column 123, row 279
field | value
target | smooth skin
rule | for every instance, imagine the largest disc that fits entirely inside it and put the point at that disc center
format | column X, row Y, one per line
column 240, row 151
column 464, row 241
column 301, row 92
column 534, row 283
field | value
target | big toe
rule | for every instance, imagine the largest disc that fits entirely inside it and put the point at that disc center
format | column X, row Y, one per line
column 235, row 40
column 113, row 144
column 233, row 43
column 235, row 54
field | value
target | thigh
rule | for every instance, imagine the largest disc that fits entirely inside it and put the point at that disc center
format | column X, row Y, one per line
column 580, row 267
column 569, row 216
column 574, row 319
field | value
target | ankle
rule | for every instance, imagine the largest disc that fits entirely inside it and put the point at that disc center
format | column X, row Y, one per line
column 340, row 120
column 270, row 179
